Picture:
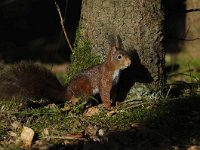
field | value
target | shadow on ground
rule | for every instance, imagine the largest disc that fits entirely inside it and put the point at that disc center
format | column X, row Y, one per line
column 174, row 123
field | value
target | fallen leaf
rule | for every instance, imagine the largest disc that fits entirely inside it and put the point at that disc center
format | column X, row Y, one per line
column 77, row 124
column 52, row 106
column 13, row 134
column 74, row 100
column 66, row 107
column 16, row 125
column 152, row 106
column 193, row 148
column 111, row 113
column 91, row 112
column 91, row 130
column 27, row 135
column 135, row 125
column 45, row 132
column 42, row 145
column 75, row 135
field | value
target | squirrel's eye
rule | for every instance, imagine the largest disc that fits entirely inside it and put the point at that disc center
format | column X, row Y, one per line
column 119, row 57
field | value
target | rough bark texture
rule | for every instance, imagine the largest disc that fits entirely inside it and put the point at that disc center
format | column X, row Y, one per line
column 192, row 30
column 139, row 25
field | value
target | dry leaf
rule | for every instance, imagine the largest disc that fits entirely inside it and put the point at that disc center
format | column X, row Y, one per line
column 75, row 135
column 74, row 100
column 135, row 125
column 193, row 148
column 41, row 145
column 45, row 132
column 91, row 112
column 16, row 125
column 27, row 136
column 77, row 124
column 66, row 107
column 91, row 130
column 13, row 134
column 52, row 106
column 111, row 113
column 152, row 106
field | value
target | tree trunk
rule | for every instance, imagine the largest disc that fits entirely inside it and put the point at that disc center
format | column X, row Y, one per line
column 191, row 44
column 139, row 25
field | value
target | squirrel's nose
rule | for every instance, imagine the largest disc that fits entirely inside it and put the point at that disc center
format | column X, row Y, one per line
column 128, row 62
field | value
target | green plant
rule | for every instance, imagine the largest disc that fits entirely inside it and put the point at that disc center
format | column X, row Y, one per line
column 81, row 57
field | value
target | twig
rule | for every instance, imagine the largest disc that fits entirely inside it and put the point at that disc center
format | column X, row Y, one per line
column 188, row 40
column 63, row 137
column 192, row 10
column 184, row 74
column 63, row 26
column 131, row 100
column 136, row 106
column 168, row 92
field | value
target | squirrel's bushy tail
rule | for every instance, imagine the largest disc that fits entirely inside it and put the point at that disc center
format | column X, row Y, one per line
column 29, row 80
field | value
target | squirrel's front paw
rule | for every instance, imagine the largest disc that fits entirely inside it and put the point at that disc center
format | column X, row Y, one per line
column 108, row 106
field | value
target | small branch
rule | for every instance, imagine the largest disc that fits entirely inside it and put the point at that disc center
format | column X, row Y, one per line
column 192, row 10
column 188, row 40
column 136, row 106
column 184, row 74
column 64, row 137
column 63, row 26
column 184, row 39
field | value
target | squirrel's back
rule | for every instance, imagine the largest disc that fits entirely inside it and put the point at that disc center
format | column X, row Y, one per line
column 28, row 80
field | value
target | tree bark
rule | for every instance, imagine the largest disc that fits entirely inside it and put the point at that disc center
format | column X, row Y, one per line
column 139, row 25
column 192, row 38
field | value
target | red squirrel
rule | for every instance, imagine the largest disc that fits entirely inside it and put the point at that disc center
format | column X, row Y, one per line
column 29, row 80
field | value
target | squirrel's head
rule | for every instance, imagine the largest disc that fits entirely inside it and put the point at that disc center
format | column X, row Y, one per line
column 119, row 58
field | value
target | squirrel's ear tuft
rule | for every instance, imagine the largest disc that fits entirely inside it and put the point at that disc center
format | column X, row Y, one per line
column 113, row 49
column 115, row 41
column 111, row 40
column 119, row 42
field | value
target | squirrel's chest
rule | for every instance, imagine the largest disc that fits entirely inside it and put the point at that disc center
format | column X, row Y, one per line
column 115, row 76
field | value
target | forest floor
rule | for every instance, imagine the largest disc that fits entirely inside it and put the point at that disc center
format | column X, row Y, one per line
column 171, row 123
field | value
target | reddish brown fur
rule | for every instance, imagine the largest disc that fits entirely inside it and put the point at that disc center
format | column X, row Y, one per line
column 99, row 77
column 31, row 81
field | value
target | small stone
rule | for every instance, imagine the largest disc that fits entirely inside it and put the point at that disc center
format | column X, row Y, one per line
column 101, row 132
column 27, row 136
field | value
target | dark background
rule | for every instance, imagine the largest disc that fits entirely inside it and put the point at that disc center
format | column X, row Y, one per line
column 31, row 30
